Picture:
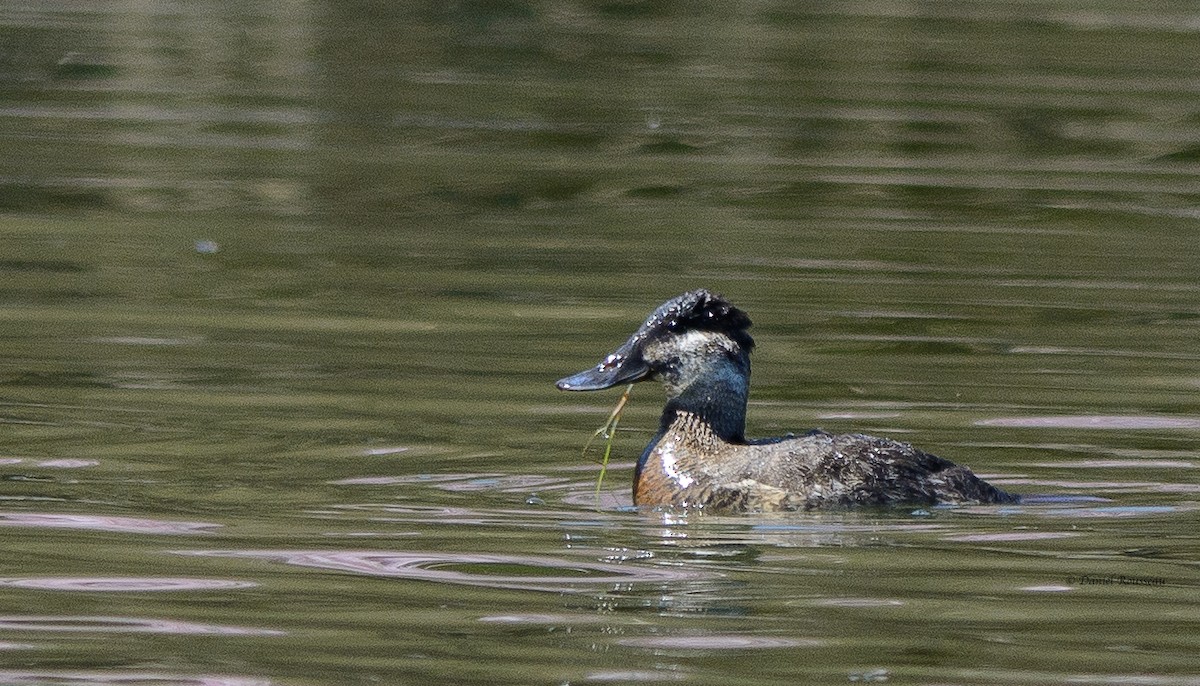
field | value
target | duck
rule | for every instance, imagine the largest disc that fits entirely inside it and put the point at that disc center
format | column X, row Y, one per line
column 698, row 346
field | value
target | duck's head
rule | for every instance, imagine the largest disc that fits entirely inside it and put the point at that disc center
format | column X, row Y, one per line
column 695, row 336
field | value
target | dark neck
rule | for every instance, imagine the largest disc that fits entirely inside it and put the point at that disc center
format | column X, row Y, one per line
column 718, row 397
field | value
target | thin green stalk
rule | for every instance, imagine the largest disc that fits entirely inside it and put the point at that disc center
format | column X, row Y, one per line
column 609, row 430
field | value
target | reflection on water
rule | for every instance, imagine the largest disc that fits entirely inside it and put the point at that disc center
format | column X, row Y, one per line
column 104, row 625
column 124, row 585
column 515, row 483
column 528, row 573
column 717, row 642
column 546, row 619
column 293, row 280
column 1009, row 536
column 1107, row 512
column 66, row 463
column 104, row 523
column 1085, row 422
column 122, row 678
column 1104, row 486
column 634, row 676
column 1118, row 464
column 854, row 602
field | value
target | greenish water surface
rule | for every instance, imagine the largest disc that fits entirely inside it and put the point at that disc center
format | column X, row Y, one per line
column 284, row 290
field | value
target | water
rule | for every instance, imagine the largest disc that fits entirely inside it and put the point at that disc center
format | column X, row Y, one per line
column 284, row 291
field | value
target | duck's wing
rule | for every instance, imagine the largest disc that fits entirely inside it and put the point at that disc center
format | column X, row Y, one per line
column 824, row 470
column 749, row 495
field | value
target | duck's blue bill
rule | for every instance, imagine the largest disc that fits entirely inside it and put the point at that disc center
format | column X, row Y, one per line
column 623, row 366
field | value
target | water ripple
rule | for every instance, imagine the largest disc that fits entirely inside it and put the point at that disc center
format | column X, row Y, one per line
column 496, row 571
column 67, row 463
column 123, row 584
column 856, row 602
column 461, row 482
column 1092, row 422
column 637, row 675
column 63, row 463
column 457, row 516
column 534, row 618
column 1111, row 512
column 429, row 479
column 46, row 678
column 132, row 525
column 719, row 642
column 1009, row 536
column 146, row 340
column 1110, row 486
column 124, row 625
column 1116, row 464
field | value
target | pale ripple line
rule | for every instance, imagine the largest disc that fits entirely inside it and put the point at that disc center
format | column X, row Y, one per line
column 1151, row 486
column 432, row 514
column 125, row 625
column 1009, row 536
column 385, row 451
column 38, row 678
column 1116, row 679
column 1139, row 354
column 145, row 340
column 435, row 567
column 719, row 642
column 1065, row 183
column 1092, row 422
column 123, row 584
column 460, row 482
column 104, row 523
column 637, row 676
column 1115, row 464
column 857, row 602
column 65, row 463
column 536, row 618
column 842, row 527
column 409, row 479
column 1134, row 679
column 1109, row 512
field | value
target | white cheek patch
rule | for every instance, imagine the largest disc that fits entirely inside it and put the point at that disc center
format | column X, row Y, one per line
column 691, row 343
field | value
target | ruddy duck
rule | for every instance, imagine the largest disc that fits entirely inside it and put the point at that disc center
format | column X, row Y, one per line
column 698, row 347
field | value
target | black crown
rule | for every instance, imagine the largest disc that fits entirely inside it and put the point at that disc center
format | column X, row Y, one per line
column 704, row 311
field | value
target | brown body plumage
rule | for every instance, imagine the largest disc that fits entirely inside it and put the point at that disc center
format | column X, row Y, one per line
column 698, row 346
column 690, row 466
